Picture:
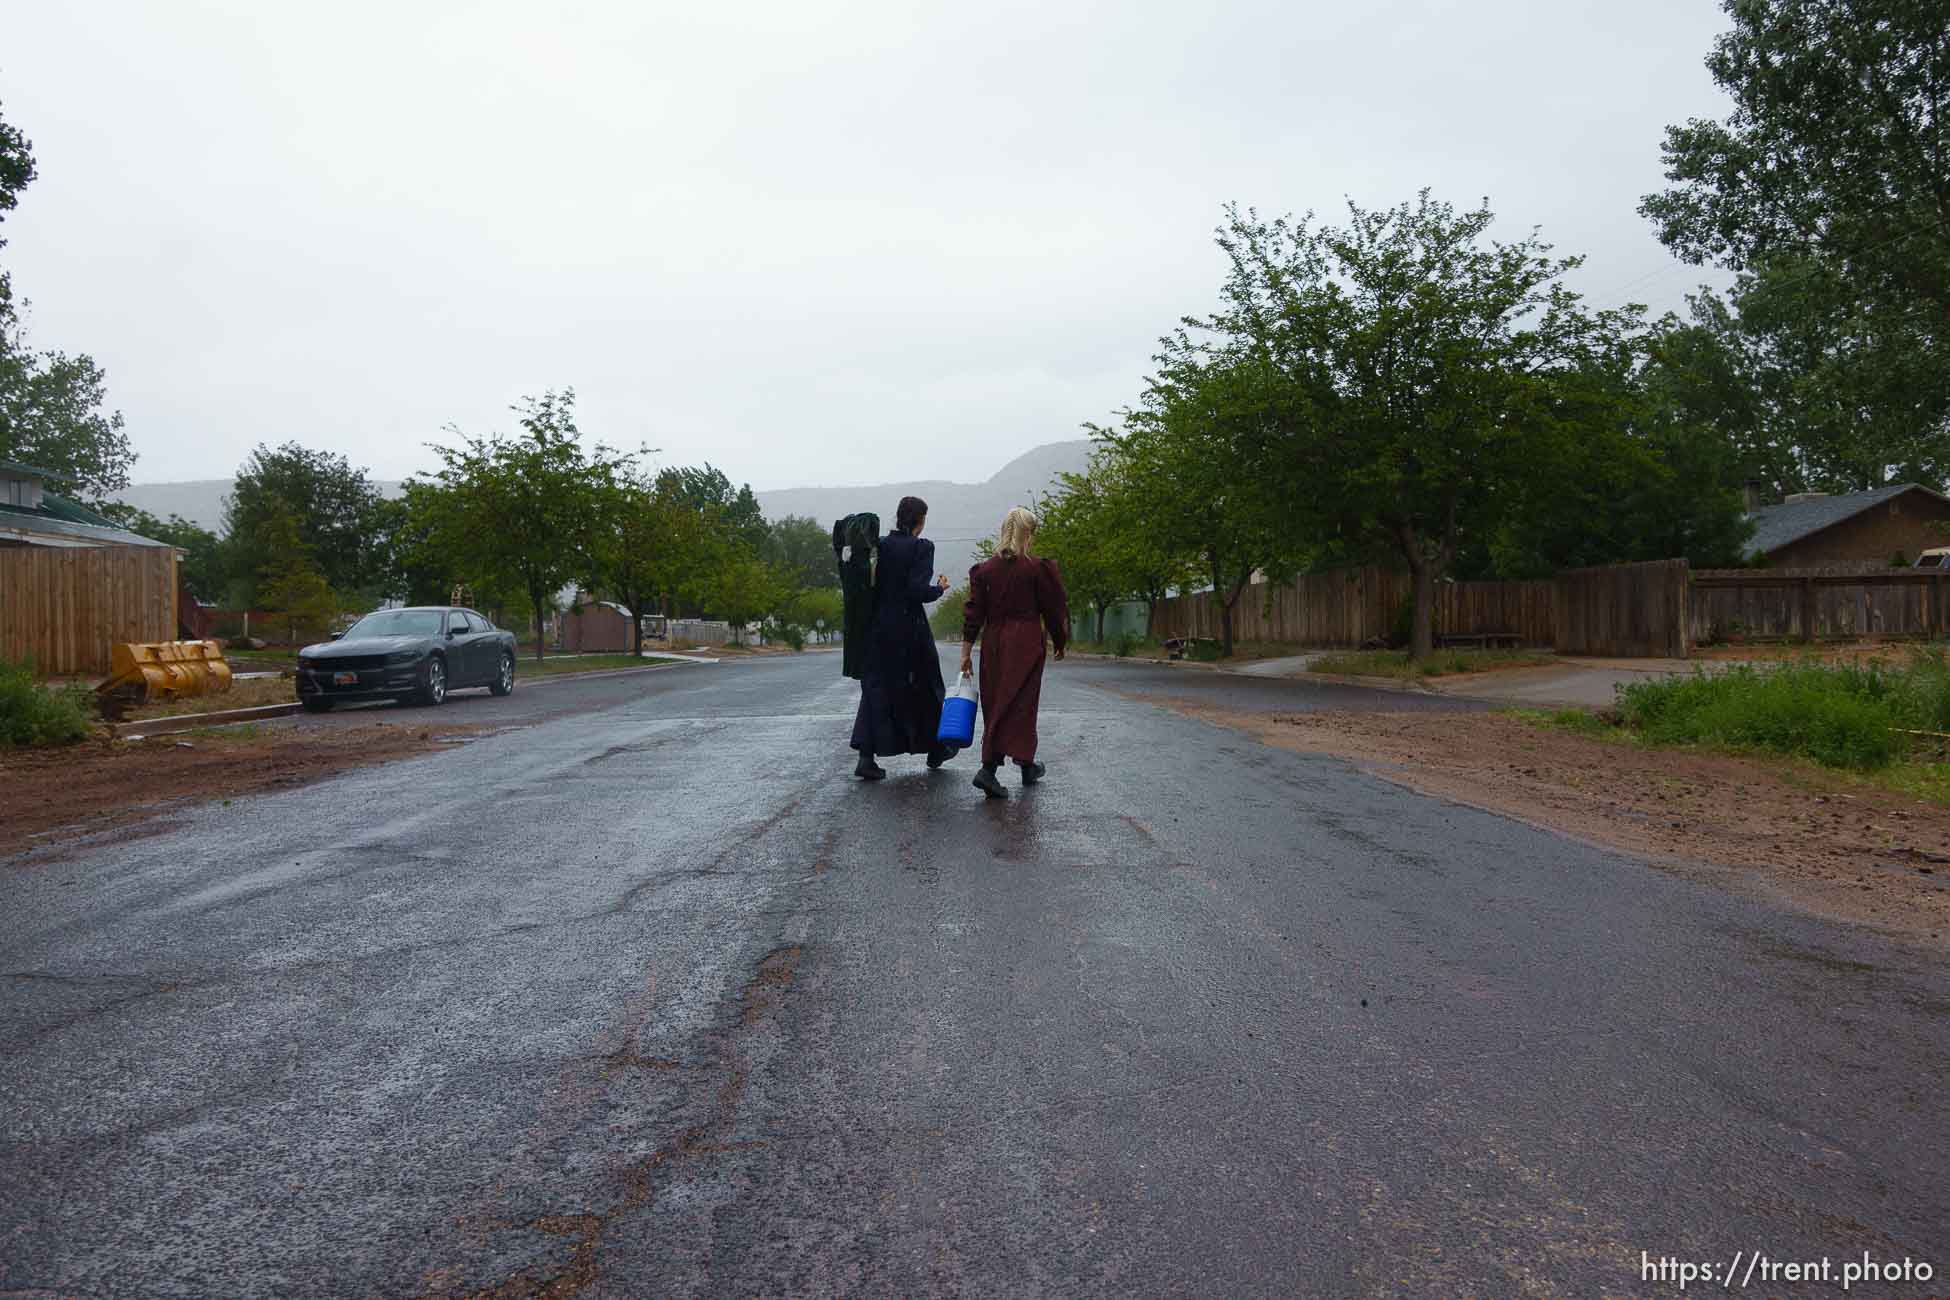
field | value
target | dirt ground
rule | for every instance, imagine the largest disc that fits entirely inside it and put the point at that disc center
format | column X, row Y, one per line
column 1792, row 832
column 1833, row 652
column 108, row 784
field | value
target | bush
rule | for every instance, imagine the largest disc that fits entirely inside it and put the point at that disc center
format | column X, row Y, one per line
column 33, row 714
column 1838, row 716
column 1125, row 644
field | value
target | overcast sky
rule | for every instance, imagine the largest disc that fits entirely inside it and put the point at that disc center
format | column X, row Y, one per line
column 814, row 244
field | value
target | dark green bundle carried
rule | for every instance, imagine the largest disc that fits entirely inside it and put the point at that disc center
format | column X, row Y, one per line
column 856, row 544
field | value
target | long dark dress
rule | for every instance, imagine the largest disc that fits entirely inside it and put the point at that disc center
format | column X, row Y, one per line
column 1012, row 601
column 901, row 691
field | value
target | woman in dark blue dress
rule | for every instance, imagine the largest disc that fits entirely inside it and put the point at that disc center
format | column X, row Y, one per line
column 900, row 687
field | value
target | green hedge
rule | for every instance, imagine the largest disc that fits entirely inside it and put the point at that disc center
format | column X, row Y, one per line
column 1850, row 715
column 33, row 714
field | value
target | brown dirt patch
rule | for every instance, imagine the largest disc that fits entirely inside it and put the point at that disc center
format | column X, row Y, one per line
column 1792, row 832
column 1838, row 652
column 104, row 784
column 251, row 693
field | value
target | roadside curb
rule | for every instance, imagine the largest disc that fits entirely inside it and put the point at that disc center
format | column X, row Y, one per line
column 1409, row 686
column 1404, row 685
column 224, row 717
column 192, row 721
column 532, row 682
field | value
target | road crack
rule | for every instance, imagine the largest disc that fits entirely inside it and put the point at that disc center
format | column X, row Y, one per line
column 759, row 1004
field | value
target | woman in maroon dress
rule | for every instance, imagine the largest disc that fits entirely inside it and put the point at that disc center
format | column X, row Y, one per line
column 1013, row 597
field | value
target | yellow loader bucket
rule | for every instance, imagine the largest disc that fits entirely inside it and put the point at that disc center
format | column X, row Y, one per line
column 140, row 671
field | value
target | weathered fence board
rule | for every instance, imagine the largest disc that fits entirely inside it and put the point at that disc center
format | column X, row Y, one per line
column 1348, row 607
column 1624, row 609
column 1818, row 604
column 64, row 607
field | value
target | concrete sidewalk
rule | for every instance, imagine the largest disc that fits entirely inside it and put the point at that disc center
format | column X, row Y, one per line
column 1568, row 683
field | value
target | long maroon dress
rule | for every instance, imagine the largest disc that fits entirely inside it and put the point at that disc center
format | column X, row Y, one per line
column 1012, row 601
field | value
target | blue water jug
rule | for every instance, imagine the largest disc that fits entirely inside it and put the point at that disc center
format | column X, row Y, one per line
column 958, row 715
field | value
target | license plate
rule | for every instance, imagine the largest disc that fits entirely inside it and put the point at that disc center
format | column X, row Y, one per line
column 345, row 679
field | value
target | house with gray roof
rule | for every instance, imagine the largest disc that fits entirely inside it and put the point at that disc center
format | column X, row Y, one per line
column 30, row 515
column 1874, row 529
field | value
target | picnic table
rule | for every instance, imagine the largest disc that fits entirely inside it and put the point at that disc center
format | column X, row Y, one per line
column 1479, row 640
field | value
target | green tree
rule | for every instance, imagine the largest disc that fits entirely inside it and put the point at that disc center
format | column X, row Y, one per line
column 205, row 563
column 1816, row 387
column 334, row 507
column 290, row 585
column 52, row 412
column 743, row 590
column 1835, row 149
column 1079, row 532
column 707, row 491
column 526, row 507
column 1416, row 363
column 1633, row 478
column 646, row 550
column 803, row 550
column 1199, row 450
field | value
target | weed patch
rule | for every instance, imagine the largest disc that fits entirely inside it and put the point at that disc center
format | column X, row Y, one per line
column 33, row 714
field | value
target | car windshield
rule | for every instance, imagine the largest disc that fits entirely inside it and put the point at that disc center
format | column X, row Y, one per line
column 397, row 622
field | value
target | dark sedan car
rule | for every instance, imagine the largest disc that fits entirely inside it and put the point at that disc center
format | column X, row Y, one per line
column 407, row 654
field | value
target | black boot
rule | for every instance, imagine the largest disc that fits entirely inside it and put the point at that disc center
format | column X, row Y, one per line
column 1032, row 772
column 941, row 754
column 985, row 782
column 868, row 770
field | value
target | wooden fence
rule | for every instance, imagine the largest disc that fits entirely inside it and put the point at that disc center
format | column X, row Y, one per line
column 1349, row 607
column 1623, row 609
column 1818, row 604
column 64, row 607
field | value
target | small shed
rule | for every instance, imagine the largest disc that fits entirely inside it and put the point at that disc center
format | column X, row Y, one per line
column 598, row 627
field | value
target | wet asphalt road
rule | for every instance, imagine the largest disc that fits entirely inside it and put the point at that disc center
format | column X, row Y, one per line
column 653, row 1000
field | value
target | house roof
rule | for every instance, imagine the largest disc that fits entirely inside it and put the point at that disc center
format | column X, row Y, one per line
column 1789, row 522
column 58, row 521
column 31, row 471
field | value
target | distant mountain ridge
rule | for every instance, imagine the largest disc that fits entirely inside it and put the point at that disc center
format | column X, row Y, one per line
column 959, row 514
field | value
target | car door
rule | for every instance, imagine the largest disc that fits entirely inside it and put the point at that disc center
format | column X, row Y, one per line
column 487, row 640
column 463, row 650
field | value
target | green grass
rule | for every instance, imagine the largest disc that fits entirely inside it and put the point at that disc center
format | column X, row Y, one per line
column 1855, row 717
column 557, row 665
column 1124, row 647
column 33, row 714
column 1396, row 663
column 1845, row 716
column 1582, row 721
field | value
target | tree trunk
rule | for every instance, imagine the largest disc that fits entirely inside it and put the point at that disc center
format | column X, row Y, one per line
column 1225, row 606
column 636, row 628
column 1421, row 637
column 1100, row 621
column 1424, row 568
column 541, row 619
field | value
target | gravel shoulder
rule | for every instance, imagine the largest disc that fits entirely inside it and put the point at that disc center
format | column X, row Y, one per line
column 1804, row 837
column 104, row 785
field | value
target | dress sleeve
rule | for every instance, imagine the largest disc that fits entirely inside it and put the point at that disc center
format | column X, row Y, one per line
column 975, row 612
column 1054, row 604
column 922, row 577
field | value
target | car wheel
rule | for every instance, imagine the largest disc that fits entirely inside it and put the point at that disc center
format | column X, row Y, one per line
column 504, row 676
column 315, row 704
column 434, row 689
